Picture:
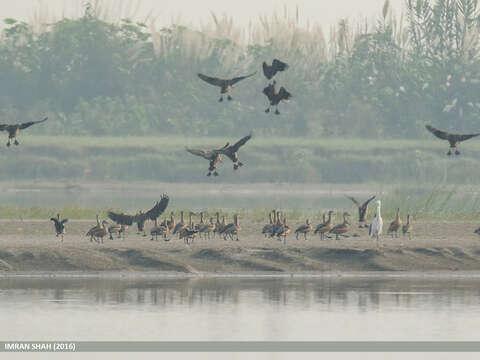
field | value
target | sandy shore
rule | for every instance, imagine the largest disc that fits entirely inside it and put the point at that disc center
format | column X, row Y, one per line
column 31, row 247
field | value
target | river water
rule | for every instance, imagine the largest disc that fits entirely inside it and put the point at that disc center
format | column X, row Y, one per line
column 241, row 308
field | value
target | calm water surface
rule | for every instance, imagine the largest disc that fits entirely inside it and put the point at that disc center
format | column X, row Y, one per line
column 239, row 309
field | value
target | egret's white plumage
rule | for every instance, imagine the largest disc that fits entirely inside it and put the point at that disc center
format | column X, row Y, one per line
column 377, row 224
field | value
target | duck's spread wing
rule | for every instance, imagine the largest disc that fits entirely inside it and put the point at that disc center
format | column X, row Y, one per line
column 30, row 123
column 211, row 80
column 241, row 142
column 237, row 79
column 353, row 199
column 267, row 70
column 121, row 218
column 366, row 202
column 279, row 65
column 284, row 94
column 438, row 133
column 199, row 152
column 158, row 209
column 466, row 137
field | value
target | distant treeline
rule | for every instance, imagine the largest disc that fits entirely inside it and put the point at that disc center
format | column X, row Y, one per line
column 93, row 76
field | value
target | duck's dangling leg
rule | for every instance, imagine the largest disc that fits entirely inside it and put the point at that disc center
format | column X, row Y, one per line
column 267, row 110
column 229, row 98
column 8, row 143
column 457, row 152
column 221, row 98
column 276, row 111
column 16, row 142
column 215, row 173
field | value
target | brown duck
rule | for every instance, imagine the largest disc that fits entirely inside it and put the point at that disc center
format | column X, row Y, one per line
column 341, row 228
column 270, row 70
column 453, row 139
column 395, row 225
column 407, row 228
column 224, row 84
column 362, row 210
column 231, row 151
column 325, row 227
column 275, row 97
column 304, row 229
column 14, row 129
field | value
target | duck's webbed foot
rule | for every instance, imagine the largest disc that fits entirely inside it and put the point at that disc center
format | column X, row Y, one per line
column 267, row 110
column 215, row 173
column 8, row 143
column 229, row 98
column 235, row 166
column 240, row 164
column 221, row 99
column 457, row 152
column 449, row 152
column 277, row 112
column 209, row 173
column 16, row 142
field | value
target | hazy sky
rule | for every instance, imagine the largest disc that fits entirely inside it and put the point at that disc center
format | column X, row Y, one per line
column 324, row 12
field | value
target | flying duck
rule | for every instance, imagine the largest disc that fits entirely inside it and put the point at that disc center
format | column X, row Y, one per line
column 213, row 156
column 453, row 139
column 231, row 151
column 224, row 84
column 14, row 129
column 274, row 96
column 141, row 217
column 270, row 70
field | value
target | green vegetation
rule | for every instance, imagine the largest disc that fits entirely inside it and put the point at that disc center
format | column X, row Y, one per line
column 94, row 75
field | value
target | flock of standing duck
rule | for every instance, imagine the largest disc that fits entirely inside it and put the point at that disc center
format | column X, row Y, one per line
column 277, row 226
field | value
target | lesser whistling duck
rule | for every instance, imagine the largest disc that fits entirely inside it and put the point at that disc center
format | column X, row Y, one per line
column 231, row 151
column 213, row 156
column 453, row 139
column 161, row 229
column 270, row 70
column 284, row 231
column 224, row 84
column 267, row 229
column 325, row 227
column 232, row 229
column 395, row 225
column 304, row 229
column 140, row 217
column 59, row 225
column 362, row 210
column 207, row 229
column 189, row 232
column 14, row 129
column 407, row 228
column 180, row 226
column 341, row 228
column 275, row 97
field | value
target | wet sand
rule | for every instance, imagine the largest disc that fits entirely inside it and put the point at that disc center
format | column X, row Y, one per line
column 30, row 247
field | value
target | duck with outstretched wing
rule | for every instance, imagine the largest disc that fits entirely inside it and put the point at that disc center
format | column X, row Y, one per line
column 453, row 139
column 224, row 84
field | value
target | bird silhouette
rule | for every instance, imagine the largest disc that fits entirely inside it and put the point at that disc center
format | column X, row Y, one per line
column 453, row 139
column 224, row 84
column 14, row 129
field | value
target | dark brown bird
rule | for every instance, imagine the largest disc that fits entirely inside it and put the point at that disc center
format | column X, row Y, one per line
column 59, row 225
column 141, row 217
column 224, row 84
column 270, row 70
column 231, row 151
column 362, row 210
column 453, row 139
column 14, row 129
column 213, row 156
column 275, row 97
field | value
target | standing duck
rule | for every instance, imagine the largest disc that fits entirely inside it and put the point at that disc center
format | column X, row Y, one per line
column 304, row 229
column 232, row 229
column 395, row 225
column 180, row 226
column 59, row 225
column 362, row 210
column 267, row 229
column 275, row 97
column 325, row 227
column 453, row 139
column 14, row 129
column 224, row 84
column 407, row 228
column 341, row 228
column 284, row 231
column 376, row 227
